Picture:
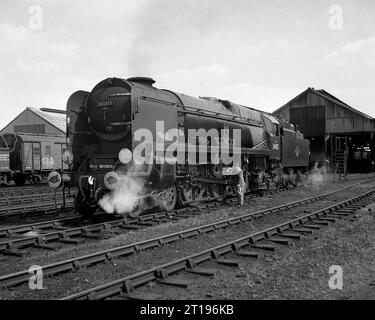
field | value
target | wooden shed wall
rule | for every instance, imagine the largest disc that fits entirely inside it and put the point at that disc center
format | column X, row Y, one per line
column 338, row 119
column 27, row 117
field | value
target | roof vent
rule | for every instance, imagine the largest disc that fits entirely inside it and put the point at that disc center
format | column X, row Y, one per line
column 142, row 80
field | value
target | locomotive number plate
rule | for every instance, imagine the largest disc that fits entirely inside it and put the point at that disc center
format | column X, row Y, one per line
column 105, row 103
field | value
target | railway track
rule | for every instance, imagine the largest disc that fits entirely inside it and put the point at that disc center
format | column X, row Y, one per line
column 32, row 198
column 75, row 263
column 12, row 238
column 227, row 254
column 19, row 191
column 45, row 207
column 27, row 200
column 43, row 226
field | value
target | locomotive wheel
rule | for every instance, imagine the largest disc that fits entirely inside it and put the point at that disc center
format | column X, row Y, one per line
column 200, row 193
column 35, row 180
column 216, row 191
column 83, row 207
column 168, row 199
column 186, row 195
column 136, row 211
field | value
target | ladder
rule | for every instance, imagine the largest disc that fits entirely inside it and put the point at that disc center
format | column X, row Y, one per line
column 341, row 164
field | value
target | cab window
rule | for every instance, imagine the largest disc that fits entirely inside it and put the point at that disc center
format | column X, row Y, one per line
column 275, row 128
column 268, row 124
column 271, row 128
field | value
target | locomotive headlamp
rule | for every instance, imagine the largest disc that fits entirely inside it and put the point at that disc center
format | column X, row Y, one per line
column 54, row 180
column 111, row 180
column 90, row 180
column 125, row 156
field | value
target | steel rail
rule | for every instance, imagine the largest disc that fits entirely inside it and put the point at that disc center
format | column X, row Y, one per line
column 126, row 222
column 129, row 249
column 143, row 219
column 15, row 230
column 43, row 207
column 16, row 191
column 127, row 285
column 25, row 199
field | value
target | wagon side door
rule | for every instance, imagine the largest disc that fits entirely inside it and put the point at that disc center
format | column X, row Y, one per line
column 37, row 159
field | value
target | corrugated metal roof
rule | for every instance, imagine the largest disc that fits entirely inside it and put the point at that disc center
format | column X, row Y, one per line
column 332, row 98
column 56, row 119
column 326, row 95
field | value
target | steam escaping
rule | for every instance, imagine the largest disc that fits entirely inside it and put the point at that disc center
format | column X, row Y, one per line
column 125, row 197
column 318, row 176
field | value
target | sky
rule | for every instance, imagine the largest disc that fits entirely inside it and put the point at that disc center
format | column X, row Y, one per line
column 257, row 53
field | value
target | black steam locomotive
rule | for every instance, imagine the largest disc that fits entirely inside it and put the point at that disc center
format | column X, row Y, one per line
column 105, row 128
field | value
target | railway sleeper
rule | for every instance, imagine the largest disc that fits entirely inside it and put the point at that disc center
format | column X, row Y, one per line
column 93, row 235
column 129, row 227
column 302, row 230
column 264, row 246
column 279, row 240
column 321, row 222
column 44, row 246
column 208, row 272
column 141, row 296
column 291, row 235
column 181, row 283
column 68, row 240
column 329, row 219
column 334, row 216
column 227, row 262
column 342, row 213
column 13, row 252
column 247, row 253
column 313, row 226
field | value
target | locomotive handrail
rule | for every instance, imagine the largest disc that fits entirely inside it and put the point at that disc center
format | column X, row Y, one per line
column 207, row 113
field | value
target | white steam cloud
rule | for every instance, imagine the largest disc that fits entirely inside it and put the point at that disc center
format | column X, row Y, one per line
column 317, row 176
column 124, row 198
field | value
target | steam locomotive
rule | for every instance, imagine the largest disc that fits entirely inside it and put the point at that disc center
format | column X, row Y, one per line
column 122, row 121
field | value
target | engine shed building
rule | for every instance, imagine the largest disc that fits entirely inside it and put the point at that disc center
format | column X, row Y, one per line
column 42, row 135
column 332, row 126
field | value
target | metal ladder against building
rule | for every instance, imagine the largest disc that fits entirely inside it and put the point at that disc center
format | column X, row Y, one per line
column 341, row 164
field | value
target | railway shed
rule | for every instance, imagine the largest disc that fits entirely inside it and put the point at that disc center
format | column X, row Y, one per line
column 335, row 129
column 36, row 141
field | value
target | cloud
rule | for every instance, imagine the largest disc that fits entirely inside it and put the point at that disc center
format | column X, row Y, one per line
column 13, row 33
column 263, row 97
column 214, row 70
column 282, row 44
column 361, row 52
column 197, row 81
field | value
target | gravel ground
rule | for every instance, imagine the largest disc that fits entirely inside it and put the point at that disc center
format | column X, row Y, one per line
column 302, row 270
column 43, row 257
column 84, row 279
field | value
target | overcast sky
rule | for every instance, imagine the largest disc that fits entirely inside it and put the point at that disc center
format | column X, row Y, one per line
column 257, row 53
